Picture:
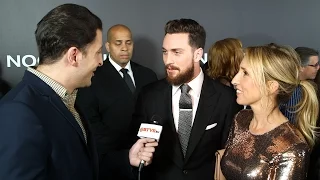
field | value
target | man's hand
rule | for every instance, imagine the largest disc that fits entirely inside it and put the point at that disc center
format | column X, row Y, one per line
column 143, row 149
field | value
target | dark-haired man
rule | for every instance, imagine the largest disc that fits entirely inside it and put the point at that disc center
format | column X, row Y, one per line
column 42, row 134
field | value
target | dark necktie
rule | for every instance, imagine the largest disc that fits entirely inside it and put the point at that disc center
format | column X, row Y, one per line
column 185, row 117
column 127, row 79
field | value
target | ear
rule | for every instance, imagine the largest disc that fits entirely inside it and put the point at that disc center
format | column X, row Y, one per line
column 73, row 56
column 197, row 55
column 302, row 69
column 107, row 44
column 273, row 87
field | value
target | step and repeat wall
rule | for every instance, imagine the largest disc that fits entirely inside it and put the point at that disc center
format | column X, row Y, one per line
column 254, row 22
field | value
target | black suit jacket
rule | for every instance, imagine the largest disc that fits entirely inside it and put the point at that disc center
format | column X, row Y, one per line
column 40, row 138
column 108, row 105
column 216, row 105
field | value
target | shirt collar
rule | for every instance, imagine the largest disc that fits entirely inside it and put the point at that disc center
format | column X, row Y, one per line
column 56, row 87
column 195, row 84
column 118, row 68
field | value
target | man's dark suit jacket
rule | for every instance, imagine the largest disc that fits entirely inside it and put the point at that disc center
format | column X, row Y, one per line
column 39, row 137
column 108, row 105
column 216, row 105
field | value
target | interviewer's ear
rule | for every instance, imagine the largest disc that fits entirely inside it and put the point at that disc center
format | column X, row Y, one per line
column 73, row 56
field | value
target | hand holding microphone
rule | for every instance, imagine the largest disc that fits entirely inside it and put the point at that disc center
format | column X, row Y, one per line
column 150, row 130
column 143, row 149
column 141, row 152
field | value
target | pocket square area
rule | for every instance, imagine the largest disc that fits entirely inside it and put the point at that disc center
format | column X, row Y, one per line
column 211, row 126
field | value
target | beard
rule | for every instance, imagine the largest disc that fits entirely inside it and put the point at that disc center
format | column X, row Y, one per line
column 182, row 77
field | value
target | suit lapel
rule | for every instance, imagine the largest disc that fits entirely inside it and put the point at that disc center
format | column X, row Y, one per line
column 56, row 101
column 138, row 78
column 45, row 90
column 111, row 73
column 111, row 70
column 136, row 75
column 90, row 144
column 206, row 106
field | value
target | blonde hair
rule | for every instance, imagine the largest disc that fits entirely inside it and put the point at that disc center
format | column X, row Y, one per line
column 288, row 50
column 274, row 64
column 224, row 58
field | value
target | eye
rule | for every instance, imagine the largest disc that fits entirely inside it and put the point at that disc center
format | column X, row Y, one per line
column 164, row 52
column 245, row 73
column 177, row 52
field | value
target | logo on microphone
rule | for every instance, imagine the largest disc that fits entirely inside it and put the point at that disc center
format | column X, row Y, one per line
column 153, row 130
column 150, row 131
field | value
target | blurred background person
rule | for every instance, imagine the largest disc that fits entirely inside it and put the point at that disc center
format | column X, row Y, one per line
column 262, row 144
column 224, row 58
column 109, row 103
column 309, row 66
column 309, row 62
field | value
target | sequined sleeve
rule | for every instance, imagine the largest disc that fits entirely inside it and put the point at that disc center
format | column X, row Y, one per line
column 230, row 136
column 290, row 164
column 231, row 131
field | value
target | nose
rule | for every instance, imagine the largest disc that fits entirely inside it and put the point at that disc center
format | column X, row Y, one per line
column 168, row 58
column 235, row 80
column 124, row 47
column 100, row 62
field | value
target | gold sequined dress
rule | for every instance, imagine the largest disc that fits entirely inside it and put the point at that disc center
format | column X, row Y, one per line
column 280, row 154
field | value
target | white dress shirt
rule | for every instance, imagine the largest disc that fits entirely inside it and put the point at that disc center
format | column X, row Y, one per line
column 118, row 68
column 196, row 86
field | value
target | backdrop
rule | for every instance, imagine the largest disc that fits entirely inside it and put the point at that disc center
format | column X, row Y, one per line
column 254, row 22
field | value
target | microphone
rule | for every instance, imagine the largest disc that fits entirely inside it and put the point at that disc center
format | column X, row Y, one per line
column 150, row 130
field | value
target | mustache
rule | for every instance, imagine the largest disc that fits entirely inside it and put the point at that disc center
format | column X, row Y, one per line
column 172, row 67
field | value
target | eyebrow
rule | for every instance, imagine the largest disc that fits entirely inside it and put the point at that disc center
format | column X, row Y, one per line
column 174, row 49
column 243, row 68
column 100, row 48
column 120, row 40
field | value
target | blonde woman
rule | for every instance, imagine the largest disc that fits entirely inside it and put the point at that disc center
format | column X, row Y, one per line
column 262, row 144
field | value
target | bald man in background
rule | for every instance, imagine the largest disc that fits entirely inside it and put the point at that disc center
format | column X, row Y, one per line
column 109, row 103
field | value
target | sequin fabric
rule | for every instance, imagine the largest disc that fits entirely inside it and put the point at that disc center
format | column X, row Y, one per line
column 280, row 154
